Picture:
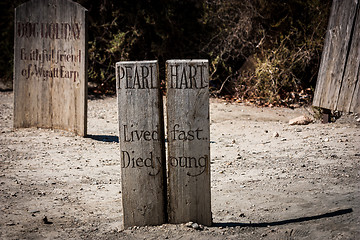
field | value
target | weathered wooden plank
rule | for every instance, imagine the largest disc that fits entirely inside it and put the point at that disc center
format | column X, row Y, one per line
column 348, row 98
column 141, row 136
column 335, row 53
column 188, row 134
column 50, row 72
column 355, row 102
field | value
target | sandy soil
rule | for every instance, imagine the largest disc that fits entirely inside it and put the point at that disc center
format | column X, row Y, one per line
column 270, row 180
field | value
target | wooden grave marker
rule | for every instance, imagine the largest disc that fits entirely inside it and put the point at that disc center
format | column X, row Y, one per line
column 142, row 143
column 188, row 134
column 338, row 84
column 50, row 65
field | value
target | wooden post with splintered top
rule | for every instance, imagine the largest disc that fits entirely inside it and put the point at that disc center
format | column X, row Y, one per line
column 141, row 137
column 188, row 133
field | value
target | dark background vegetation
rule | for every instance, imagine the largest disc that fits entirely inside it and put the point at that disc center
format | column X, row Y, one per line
column 261, row 51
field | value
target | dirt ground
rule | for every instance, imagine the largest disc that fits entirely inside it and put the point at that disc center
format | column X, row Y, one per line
column 269, row 180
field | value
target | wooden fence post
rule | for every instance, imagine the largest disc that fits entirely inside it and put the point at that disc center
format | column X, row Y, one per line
column 141, row 137
column 188, row 134
column 50, row 65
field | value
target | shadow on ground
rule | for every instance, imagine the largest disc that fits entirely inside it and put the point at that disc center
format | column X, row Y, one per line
column 283, row 222
column 104, row 138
